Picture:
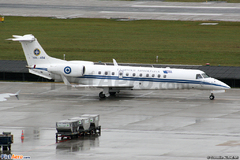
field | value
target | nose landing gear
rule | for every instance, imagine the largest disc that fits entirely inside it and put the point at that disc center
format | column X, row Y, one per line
column 211, row 97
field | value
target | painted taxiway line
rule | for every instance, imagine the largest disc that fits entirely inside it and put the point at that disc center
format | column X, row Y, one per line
column 162, row 13
column 189, row 7
column 143, row 95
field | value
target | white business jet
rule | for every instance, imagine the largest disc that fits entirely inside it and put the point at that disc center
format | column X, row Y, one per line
column 114, row 78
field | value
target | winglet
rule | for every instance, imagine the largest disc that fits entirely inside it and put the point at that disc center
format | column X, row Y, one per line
column 115, row 62
column 17, row 94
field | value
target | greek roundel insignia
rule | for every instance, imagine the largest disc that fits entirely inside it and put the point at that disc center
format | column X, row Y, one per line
column 36, row 52
column 67, row 70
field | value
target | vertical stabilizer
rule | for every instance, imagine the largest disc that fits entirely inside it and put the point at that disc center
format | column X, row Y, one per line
column 33, row 51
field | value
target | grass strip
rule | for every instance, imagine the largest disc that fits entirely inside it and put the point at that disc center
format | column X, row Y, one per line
column 174, row 42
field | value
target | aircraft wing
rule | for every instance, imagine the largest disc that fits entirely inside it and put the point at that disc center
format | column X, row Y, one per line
column 3, row 96
column 103, row 86
column 121, row 86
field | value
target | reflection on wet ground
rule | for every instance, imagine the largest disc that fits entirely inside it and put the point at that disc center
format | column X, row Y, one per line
column 182, row 124
column 77, row 145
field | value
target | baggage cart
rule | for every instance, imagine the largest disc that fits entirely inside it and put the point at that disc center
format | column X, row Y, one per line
column 94, row 123
column 67, row 128
column 94, row 119
column 84, row 123
column 78, row 126
column 6, row 139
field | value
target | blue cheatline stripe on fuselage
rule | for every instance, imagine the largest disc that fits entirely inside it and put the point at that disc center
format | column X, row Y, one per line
column 150, row 80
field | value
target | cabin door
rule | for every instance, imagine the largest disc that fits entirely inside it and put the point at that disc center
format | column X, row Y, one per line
column 120, row 74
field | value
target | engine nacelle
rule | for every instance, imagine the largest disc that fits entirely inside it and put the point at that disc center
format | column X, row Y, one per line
column 73, row 70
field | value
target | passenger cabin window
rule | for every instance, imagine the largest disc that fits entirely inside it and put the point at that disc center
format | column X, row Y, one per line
column 198, row 76
column 127, row 74
column 147, row 75
column 140, row 75
column 153, row 75
column 99, row 72
column 133, row 74
column 159, row 75
column 165, row 76
column 113, row 73
column 106, row 73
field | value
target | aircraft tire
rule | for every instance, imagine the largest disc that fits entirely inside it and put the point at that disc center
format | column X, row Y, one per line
column 211, row 97
column 101, row 95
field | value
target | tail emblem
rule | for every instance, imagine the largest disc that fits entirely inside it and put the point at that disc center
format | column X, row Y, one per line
column 67, row 70
column 37, row 52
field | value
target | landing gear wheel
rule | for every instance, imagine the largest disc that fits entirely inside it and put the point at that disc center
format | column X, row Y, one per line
column 211, row 97
column 112, row 93
column 101, row 95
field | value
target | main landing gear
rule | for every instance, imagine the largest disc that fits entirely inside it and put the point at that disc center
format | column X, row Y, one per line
column 211, row 97
column 102, row 95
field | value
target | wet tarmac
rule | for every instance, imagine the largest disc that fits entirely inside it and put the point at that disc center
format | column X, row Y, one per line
column 154, row 124
column 122, row 10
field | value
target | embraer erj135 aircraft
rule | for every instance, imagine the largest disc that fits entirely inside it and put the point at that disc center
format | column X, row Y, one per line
column 112, row 79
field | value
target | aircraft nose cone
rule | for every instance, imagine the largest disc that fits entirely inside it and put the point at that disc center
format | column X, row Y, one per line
column 224, row 85
column 227, row 86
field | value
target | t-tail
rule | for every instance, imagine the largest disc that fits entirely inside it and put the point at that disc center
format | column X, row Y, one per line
column 33, row 51
column 41, row 64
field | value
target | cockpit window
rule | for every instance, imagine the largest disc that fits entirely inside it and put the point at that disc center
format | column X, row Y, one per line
column 198, row 76
column 205, row 75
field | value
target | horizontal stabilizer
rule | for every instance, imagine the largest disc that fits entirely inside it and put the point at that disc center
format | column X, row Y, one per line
column 25, row 38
